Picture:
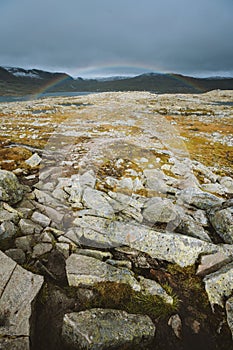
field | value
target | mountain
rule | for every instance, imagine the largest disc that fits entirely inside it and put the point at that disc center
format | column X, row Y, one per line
column 18, row 82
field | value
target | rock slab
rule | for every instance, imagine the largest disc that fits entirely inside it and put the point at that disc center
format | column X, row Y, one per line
column 106, row 329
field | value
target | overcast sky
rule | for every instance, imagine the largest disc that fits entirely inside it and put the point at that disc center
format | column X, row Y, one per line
column 105, row 37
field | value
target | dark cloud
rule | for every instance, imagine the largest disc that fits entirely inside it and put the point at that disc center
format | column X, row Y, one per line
column 77, row 35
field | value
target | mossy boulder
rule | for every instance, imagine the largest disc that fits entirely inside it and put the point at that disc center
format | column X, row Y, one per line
column 11, row 190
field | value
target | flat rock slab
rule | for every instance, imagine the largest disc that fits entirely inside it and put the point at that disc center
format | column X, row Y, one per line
column 180, row 249
column 219, row 285
column 99, row 329
column 85, row 271
column 19, row 288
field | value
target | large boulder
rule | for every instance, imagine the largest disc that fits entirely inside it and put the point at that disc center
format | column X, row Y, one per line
column 18, row 289
column 107, row 329
column 11, row 190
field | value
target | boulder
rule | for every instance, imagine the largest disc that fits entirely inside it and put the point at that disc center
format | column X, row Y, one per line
column 219, row 285
column 212, row 262
column 160, row 210
column 95, row 200
column 18, row 289
column 222, row 221
column 85, row 271
column 197, row 198
column 106, row 329
column 11, row 191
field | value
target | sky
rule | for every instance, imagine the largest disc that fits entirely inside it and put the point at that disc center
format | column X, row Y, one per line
column 91, row 38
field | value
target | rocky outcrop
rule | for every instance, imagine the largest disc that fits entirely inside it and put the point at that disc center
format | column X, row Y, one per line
column 107, row 329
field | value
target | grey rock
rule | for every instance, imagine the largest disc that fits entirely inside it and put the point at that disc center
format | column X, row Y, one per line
column 86, row 271
column 17, row 255
column 18, row 290
column 229, row 310
column 59, row 194
column 54, row 215
column 200, row 217
column 214, row 188
column 11, row 191
column 212, row 262
column 156, row 180
column 106, row 329
column 7, row 230
column 40, row 219
column 176, row 324
column 199, row 199
column 227, row 182
column 28, row 227
column 88, row 179
column 219, row 285
column 63, row 248
column 26, row 242
column 154, row 288
column 19, row 343
column 34, row 160
column 46, row 199
column 41, row 249
column 180, row 249
column 97, row 254
column 95, row 200
column 5, row 215
column 222, row 221
column 120, row 263
column 190, row 227
column 160, row 210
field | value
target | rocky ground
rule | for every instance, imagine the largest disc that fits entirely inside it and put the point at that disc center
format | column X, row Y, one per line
column 116, row 227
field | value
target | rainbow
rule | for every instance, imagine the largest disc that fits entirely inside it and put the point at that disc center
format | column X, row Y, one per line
column 138, row 69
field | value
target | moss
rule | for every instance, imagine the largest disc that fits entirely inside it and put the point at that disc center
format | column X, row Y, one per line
column 121, row 296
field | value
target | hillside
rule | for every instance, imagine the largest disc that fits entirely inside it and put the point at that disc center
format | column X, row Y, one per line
column 20, row 82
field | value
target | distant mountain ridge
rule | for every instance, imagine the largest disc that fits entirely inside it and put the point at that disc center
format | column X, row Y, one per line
column 16, row 81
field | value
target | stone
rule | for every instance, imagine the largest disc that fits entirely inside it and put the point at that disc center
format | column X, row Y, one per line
column 11, row 191
column 180, row 249
column 85, row 271
column 219, row 285
column 95, row 200
column 227, row 182
column 17, row 255
column 229, row 311
column 26, row 242
column 59, row 194
column 197, row 198
column 41, row 249
column 222, row 221
column 34, row 160
column 176, row 324
column 46, row 199
column 160, row 210
column 5, row 215
column 120, row 263
column 154, row 288
column 53, row 214
column 40, row 219
column 19, row 343
column 106, row 329
column 63, row 248
column 200, row 217
column 156, row 180
column 97, row 254
column 88, row 179
column 214, row 188
column 212, row 262
column 19, row 288
column 7, row 230
column 28, row 227
column 190, row 227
